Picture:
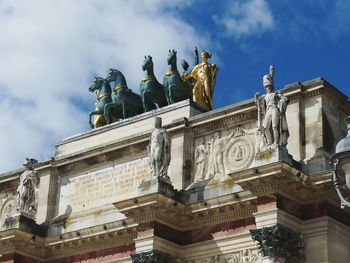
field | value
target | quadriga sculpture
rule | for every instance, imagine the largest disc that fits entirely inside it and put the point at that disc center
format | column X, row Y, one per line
column 125, row 103
column 103, row 96
column 175, row 89
column 152, row 92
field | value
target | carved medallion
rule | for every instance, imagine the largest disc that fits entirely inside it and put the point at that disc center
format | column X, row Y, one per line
column 239, row 154
column 8, row 208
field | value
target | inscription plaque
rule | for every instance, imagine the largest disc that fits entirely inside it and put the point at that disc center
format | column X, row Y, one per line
column 103, row 186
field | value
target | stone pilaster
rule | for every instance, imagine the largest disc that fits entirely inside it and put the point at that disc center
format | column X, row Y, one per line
column 278, row 244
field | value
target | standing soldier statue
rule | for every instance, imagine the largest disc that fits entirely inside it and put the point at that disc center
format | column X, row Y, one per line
column 159, row 150
column 272, row 107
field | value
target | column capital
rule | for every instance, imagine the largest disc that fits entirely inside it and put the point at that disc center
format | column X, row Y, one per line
column 277, row 241
column 152, row 256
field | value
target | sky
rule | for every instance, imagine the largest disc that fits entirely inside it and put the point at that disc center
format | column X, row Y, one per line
column 51, row 50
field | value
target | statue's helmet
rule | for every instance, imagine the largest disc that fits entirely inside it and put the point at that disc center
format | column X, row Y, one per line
column 29, row 163
column 268, row 79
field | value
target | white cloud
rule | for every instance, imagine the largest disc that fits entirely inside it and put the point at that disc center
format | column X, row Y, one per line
column 50, row 51
column 246, row 18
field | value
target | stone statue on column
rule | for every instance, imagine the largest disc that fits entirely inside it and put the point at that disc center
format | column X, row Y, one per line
column 159, row 150
column 272, row 122
column 25, row 196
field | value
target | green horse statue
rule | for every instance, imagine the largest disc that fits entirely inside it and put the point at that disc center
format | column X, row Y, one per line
column 152, row 92
column 175, row 89
column 103, row 94
column 125, row 103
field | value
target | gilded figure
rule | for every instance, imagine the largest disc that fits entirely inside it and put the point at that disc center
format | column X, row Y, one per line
column 203, row 75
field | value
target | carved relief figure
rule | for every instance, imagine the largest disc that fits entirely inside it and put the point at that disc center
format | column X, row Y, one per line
column 159, row 150
column 203, row 75
column 224, row 154
column 244, row 256
column 26, row 190
column 216, row 157
column 201, row 158
column 271, row 113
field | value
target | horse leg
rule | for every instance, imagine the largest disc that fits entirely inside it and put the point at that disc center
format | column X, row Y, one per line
column 147, row 101
column 174, row 96
column 90, row 115
column 125, row 112
column 160, row 96
column 106, row 112
column 138, row 105
column 167, row 92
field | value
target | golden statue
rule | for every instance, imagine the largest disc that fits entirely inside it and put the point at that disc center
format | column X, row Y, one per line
column 203, row 76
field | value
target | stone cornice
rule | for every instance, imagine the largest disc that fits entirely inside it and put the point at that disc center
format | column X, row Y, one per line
column 121, row 233
column 281, row 178
column 182, row 217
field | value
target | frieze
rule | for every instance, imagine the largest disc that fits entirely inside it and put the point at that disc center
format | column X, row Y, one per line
column 224, row 122
column 244, row 256
column 219, row 155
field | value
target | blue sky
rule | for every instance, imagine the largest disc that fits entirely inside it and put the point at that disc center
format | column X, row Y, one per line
column 50, row 50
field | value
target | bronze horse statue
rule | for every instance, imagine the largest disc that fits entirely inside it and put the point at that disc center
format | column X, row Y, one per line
column 174, row 87
column 125, row 103
column 103, row 97
column 152, row 92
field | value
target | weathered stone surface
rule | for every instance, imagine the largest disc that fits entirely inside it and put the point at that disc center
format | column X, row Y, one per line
column 221, row 185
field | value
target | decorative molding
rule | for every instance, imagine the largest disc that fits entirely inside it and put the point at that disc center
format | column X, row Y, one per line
column 113, row 155
column 224, row 122
column 181, row 217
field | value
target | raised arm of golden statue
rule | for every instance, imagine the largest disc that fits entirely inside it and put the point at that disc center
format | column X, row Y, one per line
column 203, row 75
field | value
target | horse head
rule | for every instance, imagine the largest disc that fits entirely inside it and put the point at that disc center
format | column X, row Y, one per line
column 97, row 84
column 112, row 74
column 171, row 57
column 116, row 76
column 147, row 63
